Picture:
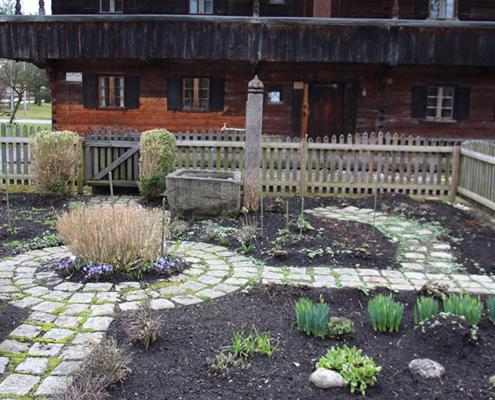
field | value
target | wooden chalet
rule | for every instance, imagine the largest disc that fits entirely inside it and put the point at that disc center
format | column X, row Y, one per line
column 418, row 67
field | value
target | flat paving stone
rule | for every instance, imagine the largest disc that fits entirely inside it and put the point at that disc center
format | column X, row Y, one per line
column 127, row 285
column 161, row 304
column 272, row 275
column 422, row 232
column 48, row 306
column 217, row 273
column 41, row 317
column 209, row 280
column 56, row 295
column 136, row 295
column 68, row 322
column 74, row 309
column 98, row 323
column 84, row 298
column 416, row 256
column 103, row 309
column 4, row 361
column 171, row 290
column 75, row 352
column 26, row 302
column 299, row 277
column 13, row 346
column 107, row 296
column 18, row 384
column 66, row 367
column 130, row 306
column 51, row 385
column 46, row 349
column 212, row 294
column 98, row 287
column 87, row 338
column 8, row 289
column 58, row 334
column 236, row 281
column 226, row 288
column 187, row 299
column 192, row 285
column 33, row 365
column 29, row 331
column 322, row 271
column 440, row 254
column 412, row 266
column 69, row 286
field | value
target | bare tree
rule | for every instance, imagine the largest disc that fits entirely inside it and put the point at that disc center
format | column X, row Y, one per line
column 21, row 77
column 7, row 6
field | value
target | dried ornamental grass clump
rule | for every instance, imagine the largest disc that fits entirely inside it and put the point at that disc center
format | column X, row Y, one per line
column 55, row 161
column 158, row 159
column 141, row 326
column 122, row 236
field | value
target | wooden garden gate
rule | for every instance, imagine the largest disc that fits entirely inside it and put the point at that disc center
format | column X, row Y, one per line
column 110, row 151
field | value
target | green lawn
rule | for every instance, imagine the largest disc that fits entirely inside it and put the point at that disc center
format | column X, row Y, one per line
column 33, row 111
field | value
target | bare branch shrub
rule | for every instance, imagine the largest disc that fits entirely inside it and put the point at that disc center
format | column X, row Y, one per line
column 104, row 366
column 209, row 231
column 158, row 159
column 140, row 326
column 123, row 236
column 55, row 161
column 247, row 232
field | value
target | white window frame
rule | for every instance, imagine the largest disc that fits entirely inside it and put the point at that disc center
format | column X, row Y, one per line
column 440, row 107
column 442, row 12
column 201, row 6
column 112, row 7
column 277, row 90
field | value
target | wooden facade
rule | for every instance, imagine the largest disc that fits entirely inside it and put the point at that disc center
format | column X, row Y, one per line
column 361, row 66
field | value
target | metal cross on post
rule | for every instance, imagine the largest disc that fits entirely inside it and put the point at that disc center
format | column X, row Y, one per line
column 254, row 118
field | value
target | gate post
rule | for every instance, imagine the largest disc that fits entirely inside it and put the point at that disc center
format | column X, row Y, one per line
column 254, row 118
column 455, row 173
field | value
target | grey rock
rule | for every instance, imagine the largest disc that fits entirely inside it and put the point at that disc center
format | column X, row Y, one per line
column 4, row 361
column 42, row 317
column 68, row 322
column 103, row 309
column 28, row 331
column 98, row 323
column 33, row 365
column 13, row 346
column 51, row 385
column 66, row 367
column 45, row 349
column 426, row 368
column 18, row 384
column 326, row 379
column 58, row 334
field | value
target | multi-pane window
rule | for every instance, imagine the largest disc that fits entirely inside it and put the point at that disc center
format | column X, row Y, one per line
column 112, row 6
column 201, row 6
column 442, row 9
column 196, row 93
column 440, row 102
column 111, row 91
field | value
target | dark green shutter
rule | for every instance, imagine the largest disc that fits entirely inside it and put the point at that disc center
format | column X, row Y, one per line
column 418, row 103
column 131, row 91
column 462, row 103
column 422, row 9
column 90, row 91
column 217, row 94
column 174, row 93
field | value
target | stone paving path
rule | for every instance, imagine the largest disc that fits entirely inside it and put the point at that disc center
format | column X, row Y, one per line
column 67, row 318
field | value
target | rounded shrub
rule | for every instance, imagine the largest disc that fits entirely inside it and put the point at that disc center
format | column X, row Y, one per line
column 158, row 159
column 55, row 161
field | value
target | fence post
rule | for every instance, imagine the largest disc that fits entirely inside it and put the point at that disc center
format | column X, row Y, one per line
column 455, row 173
column 80, row 176
column 254, row 117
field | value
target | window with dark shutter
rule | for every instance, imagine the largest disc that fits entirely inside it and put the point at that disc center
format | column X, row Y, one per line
column 217, row 94
column 131, row 91
column 418, row 103
column 462, row 103
column 174, row 93
column 90, row 91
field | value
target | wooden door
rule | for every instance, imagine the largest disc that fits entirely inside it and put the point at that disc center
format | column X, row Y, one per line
column 326, row 109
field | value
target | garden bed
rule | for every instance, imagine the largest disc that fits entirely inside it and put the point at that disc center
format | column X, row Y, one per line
column 174, row 367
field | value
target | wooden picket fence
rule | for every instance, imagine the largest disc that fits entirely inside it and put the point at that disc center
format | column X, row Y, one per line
column 353, row 164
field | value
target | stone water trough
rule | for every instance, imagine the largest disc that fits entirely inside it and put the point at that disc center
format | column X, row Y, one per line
column 214, row 194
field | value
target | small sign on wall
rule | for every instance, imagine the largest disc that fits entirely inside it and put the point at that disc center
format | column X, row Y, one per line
column 73, row 76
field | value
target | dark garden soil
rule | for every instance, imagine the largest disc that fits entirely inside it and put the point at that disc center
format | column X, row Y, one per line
column 174, row 366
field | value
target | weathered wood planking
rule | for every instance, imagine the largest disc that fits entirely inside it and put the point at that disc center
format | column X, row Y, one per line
column 149, row 37
column 15, row 155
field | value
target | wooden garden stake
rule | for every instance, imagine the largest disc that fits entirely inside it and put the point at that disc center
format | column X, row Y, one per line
column 261, row 192
column 7, row 196
column 163, row 227
column 111, row 187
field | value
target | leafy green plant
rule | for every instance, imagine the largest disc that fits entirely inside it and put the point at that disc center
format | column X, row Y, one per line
column 464, row 305
column 340, row 328
column 385, row 313
column 158, row 159
column 490, row 305
column 358, row 370
column 55, row 161
column 223, row 363
column 312, row 318
column 255, row 342
column 425, row 307
column 304, row 225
